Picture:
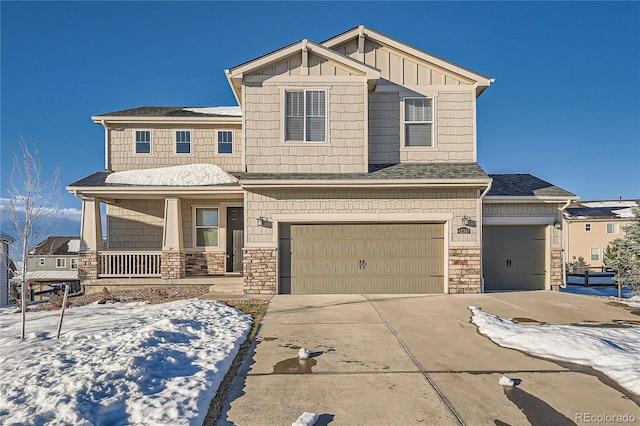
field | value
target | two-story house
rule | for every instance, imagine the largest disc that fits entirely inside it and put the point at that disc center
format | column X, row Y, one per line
column 53, row 261
column 589, row 227
column 349, row 166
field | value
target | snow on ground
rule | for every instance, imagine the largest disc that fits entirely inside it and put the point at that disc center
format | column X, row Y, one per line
column 187, row 175
column 116, row 364
column 613, row 351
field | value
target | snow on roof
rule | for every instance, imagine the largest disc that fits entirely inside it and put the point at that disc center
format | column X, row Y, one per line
column 73, row 246
column 612, row 203
column 51, row 275
column 233, row 111
column 627, row 213
column 187, row 175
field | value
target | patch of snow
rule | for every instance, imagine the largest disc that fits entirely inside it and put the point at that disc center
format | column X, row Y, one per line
column 231, row 111
column 73, row 246
column 626, row 213
column 132, row 363
column 306, row 419
column 505, row 381
column 187, row 175
column 613, row 203
column 613, row 351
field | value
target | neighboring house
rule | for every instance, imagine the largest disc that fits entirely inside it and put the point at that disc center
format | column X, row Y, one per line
column 5, row 263
column 589, row 227
column 349, row 166
column 53, row 261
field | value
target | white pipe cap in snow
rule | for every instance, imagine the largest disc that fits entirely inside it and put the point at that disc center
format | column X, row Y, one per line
column 303, row 353
column 306, row 419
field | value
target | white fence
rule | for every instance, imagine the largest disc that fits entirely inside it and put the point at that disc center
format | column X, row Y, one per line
column 129, row 264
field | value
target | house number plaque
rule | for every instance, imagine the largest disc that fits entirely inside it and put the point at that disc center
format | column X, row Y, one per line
column 464, row 230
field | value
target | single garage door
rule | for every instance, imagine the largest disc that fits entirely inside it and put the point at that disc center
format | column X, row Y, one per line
column 361, row 258
column 513, row 257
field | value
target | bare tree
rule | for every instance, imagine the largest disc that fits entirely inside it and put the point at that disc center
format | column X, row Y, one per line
column 31, row 199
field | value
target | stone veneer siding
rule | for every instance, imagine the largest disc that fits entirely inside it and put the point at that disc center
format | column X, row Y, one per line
column 172, row 265
column 259, row 270
column 204, row 264
column 88, row 264
column 464, row 270
column 556, row 268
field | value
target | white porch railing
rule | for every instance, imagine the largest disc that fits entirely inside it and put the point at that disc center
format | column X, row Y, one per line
column 129, row 264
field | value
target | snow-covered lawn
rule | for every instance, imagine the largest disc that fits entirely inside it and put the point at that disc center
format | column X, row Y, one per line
column 613, row 351
column 116, row 364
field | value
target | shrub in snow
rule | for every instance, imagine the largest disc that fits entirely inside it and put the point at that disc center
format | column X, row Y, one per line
column 623, row 254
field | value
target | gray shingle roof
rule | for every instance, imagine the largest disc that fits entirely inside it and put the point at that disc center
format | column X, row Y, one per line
column 162, row 111
column 382, row 172
column 524, row 185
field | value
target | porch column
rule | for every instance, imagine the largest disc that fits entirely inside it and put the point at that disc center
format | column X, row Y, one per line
column 172, row 263
column 90, row 239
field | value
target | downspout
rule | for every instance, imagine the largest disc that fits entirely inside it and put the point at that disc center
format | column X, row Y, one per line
column 484, row 194
column 563, row 284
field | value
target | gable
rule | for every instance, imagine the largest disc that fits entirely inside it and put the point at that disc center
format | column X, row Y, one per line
column 316, row 64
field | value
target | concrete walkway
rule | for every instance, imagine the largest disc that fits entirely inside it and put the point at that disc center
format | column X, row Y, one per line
column 404, row 359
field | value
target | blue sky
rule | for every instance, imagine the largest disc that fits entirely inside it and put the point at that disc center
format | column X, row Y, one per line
column 565, row 105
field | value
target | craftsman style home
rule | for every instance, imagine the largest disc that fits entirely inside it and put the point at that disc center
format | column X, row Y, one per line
column 348, row 166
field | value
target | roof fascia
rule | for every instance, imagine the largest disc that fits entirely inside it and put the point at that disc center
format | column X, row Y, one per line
column 125, row 119
column 369, row 183
column 482, row 80
column 505, row 199
column 159, row 192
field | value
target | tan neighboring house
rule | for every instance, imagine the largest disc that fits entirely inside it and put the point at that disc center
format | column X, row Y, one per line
column 589, row 227
column 348, row 166
column 53, row 261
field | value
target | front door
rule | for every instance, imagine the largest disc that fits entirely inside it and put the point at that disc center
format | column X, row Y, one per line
column 235, row 238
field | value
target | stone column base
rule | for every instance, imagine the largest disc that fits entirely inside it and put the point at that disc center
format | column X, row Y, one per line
column 556, row 268
column 88, row 264
column 172, row 265
column 259, row 265
column 464, row 270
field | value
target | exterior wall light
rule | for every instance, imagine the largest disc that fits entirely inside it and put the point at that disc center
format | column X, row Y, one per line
column 466, row 220
column 557, row 225
column 262, row 221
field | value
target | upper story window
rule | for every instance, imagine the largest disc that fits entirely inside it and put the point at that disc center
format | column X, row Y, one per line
column 61, row 262
column 587, row 227
column 183, row 142
column 418, row 122
column 612, row 228
column 225, row 142
column 74, row 263
column 305, row 115
column 143, row 142
column 206, row 226
column 42, row 261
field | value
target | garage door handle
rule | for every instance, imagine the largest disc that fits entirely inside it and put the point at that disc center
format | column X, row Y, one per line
column 363, row 264
column 508, row 263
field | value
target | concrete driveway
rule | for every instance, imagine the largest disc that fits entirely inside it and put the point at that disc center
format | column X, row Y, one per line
column 405, row 359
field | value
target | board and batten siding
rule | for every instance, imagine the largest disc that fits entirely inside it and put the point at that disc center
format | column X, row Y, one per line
column 267, row 151
column 291, row 66
column 204, row 140
column 355, row 202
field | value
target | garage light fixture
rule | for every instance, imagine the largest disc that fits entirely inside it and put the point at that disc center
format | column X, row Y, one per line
column 262, row 221
column 466, row 220
column 557, row 224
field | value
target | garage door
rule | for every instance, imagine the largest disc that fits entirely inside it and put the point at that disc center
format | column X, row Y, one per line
column 361, row 258
column 513, row 257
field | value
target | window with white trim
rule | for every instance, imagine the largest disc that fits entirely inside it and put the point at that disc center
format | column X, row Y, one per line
column 595, row 253
column 587, row 227
column 74, row 263
column 206, row 226
column 183, row 142
column 225, row 142
column 418, row 122
column 143, row 142
column 42, row 261
column 305, row 115
column 612, row 228
column 61, row 262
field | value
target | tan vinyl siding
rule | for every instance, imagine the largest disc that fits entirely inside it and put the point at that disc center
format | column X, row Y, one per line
column 400, row 68
column 204, row 140
column 291, row 66
column 268, row 152
column 578, row 242
column 135, row 225
column 520, row 210
column 458, row 202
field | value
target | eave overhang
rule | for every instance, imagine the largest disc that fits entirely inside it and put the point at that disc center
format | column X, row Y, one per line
column 502, row 199
column 111, row 120
column 153, row 192
column 367, row 183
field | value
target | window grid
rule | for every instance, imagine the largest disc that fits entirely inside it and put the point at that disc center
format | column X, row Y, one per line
column 587, row 227
column 225, row 142
column 42, row 261
column 183, row 142
column 143, row 142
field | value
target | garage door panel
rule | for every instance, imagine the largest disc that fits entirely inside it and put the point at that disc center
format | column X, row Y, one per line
column 365, row 258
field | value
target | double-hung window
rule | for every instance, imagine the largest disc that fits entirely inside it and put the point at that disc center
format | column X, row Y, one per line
column 74, row 263
column 305, row 115
column 183, row 142
column 612, row 228
column 143, row 142
column 418, row 122
column 61, row 262
column 206, row 226
column 595, row 253
column 225, row 142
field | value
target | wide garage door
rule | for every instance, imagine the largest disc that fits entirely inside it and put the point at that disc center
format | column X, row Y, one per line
column 513, row 257
column 361, row 258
